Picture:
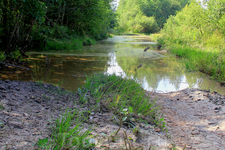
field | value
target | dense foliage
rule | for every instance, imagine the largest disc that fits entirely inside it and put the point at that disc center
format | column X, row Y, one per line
column 206, row 28
column 27, row 23
column 146, row 16
column 198, row 34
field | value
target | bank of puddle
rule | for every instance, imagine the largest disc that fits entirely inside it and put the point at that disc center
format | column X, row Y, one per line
column 159, row 71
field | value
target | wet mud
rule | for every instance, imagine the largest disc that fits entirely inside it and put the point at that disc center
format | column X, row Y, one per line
column 195, row 118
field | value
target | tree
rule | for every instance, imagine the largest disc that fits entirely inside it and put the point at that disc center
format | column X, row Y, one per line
column 18, row 19
column 206, row 28
column 24, row 22
column 159, row 10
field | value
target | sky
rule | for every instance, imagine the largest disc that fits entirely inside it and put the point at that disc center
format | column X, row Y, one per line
column 115, row 4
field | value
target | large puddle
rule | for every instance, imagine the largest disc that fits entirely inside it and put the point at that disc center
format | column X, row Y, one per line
column 121, row 55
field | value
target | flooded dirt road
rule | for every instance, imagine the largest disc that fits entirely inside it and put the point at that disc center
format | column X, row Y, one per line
column 195, row 118
column 160, row 71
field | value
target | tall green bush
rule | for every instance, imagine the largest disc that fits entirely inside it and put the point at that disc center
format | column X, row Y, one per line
column 199, row 38
column 204, row 29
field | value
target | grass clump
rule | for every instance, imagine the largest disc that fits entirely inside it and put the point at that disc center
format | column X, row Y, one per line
column 125, row 97
column 67, row 134
column 74, row 43
column 209, row 62
column 122, row 97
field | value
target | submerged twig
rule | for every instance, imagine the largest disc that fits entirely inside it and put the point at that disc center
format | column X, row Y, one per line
column 6, row 64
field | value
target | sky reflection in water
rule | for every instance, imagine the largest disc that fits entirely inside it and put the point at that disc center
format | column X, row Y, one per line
column 121, row 55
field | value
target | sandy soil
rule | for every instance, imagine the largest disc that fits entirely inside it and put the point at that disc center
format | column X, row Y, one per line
column 194, row 118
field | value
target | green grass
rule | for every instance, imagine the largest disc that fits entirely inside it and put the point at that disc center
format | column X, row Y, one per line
column 120, row 95
column 75, row 43
column 66, row 134
column 211, row 62
column 123, row 97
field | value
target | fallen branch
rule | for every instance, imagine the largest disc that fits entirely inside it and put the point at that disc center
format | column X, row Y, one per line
column 6, row 64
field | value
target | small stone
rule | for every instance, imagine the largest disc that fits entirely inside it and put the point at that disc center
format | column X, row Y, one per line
column 217, row 109
column 103, row 134
column 21, row 144
column 7, row 81
column 26, row 115
column 195, row 132
column 32, row 97
column 132, row 119
column 3, row 95
column 157, row 130
column 9, row 146
column 2, row 88
column 16, row 124
column 211, row 123
column 92, row 141
column 101, row 125
column 18, row 89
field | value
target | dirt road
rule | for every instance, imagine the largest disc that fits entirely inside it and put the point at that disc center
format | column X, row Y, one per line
column 194, row 118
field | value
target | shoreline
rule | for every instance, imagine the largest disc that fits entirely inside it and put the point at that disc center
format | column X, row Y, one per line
column 29, row 109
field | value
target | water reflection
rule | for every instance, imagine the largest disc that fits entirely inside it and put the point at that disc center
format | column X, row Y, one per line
column 113, row 66
column 160, row 72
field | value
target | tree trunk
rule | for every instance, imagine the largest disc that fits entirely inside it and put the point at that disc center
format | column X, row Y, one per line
column 59, row 11
column 5, row 21
column 63, row 13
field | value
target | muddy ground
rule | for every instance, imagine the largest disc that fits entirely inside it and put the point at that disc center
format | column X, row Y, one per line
column 193, row 118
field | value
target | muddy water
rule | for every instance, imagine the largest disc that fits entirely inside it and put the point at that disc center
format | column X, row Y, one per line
column 160, row 71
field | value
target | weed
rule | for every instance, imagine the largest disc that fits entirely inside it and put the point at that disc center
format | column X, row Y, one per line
column 2, row 106
column 42, row 143
column 65, row 134
column 136, row 131
column 123, row 96
column 1, row 124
